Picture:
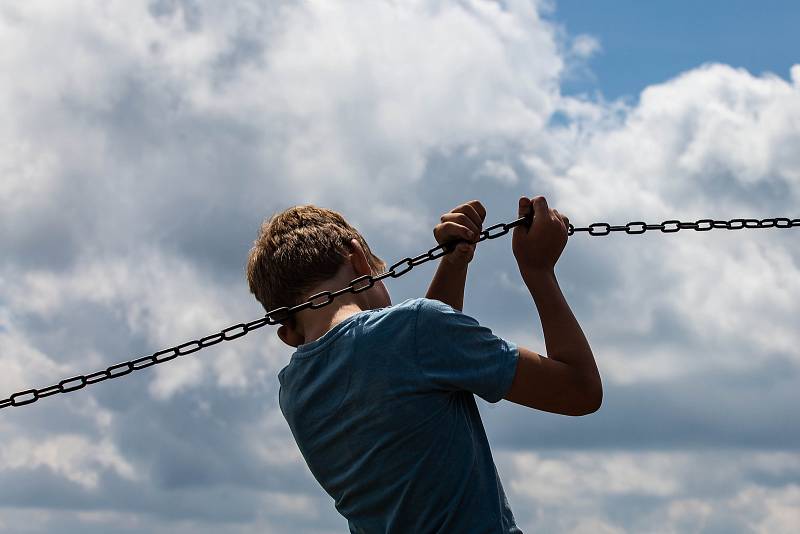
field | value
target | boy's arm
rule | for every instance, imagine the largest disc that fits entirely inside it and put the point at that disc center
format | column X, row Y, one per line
column 448, row 283
column 567, row 380
column 463, row 224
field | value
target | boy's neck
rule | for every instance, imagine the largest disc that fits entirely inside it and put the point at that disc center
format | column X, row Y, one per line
column 318, row 322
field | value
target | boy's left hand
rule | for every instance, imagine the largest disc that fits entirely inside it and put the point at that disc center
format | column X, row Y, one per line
column 464, row 224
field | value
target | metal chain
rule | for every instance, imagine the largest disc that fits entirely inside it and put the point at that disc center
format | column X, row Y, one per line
column 358, row 285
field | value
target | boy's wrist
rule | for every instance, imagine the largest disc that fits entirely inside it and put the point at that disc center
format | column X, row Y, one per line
column 537, row 272
column 454, row 263
column 537, row 276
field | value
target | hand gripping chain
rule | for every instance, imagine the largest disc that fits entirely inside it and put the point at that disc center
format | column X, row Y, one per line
column 360, row 284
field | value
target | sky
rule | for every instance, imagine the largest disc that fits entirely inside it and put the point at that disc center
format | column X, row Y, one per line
column 144, row 142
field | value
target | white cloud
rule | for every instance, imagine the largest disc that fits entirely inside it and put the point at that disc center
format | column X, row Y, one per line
column 290, row 504
column 22, row 363
column 163, row 298
column 768, row 510
column 593, row 525
column 28, row 175
column 551, row 481
column 584, row 46
column 74, row 457
column 497, row 170
column 581, row 491
column 685, row 139
column 689, row 514
column 369, row 107
column 710, row 143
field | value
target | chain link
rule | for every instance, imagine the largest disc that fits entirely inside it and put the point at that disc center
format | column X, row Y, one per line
column 671, row 226
column 364, row 283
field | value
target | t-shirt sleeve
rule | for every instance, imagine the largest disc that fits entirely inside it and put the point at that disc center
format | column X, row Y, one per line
column 455, row 353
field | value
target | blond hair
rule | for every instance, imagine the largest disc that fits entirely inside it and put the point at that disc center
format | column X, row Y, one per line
column 298, row 248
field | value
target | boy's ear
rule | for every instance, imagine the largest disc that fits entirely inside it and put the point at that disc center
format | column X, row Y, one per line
column 289, row 335
column 359, row 258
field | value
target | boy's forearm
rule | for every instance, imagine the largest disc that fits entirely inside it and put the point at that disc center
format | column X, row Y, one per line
column 563, row 337
column 448, row 284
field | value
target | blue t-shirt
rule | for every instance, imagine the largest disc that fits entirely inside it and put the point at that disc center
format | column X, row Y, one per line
column 382, row 409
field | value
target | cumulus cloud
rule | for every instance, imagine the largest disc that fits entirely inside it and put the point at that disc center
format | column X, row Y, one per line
column 620, row 163
column 72, row 456
column 660, row 492
column 498, row 170
column 584, row 46
column 142, row 144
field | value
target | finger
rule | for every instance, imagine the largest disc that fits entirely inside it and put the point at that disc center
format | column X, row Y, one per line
column 562, row 217
column 540, row 206
column 472, row 213
column 478, row 207
column 524, row 207
column 449, row 230
column 463, row 220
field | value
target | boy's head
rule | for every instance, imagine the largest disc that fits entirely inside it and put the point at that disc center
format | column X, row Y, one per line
column 297, row 250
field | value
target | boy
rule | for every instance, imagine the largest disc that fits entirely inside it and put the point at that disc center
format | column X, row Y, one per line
column 379, row 398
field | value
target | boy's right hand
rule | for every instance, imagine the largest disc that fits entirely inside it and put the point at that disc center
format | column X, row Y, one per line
column 538, row 248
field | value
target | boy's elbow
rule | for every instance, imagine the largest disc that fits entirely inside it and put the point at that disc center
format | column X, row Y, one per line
column 595, row 398
column 592, row 398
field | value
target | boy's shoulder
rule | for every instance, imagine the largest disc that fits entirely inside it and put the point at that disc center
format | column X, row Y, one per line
column 421, row 304
column 431, row 313
column 410, row 310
